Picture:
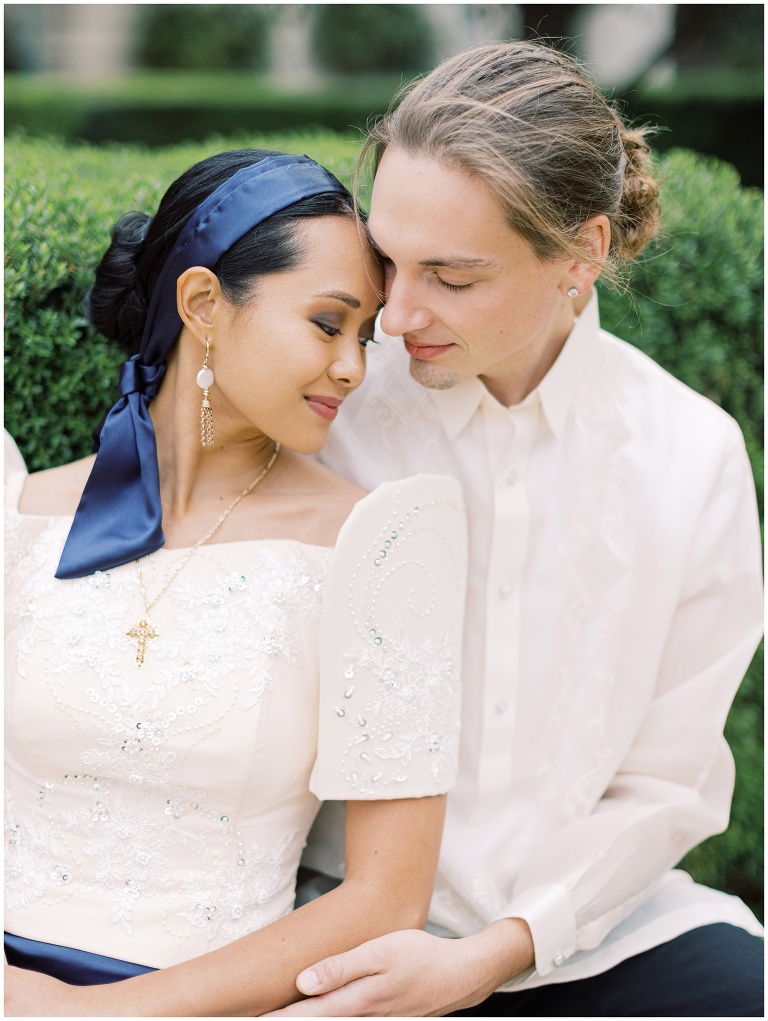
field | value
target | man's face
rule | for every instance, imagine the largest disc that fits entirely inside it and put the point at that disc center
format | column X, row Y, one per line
column 468, row 295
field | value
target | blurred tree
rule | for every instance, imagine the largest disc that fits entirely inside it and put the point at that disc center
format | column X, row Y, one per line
column 730, row 35
column 372, row 37
column 216, row 37
column 550, row 21
column 12, row 57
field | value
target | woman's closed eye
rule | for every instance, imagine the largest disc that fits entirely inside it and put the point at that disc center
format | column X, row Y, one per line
column 331, row 331
column 334, row 331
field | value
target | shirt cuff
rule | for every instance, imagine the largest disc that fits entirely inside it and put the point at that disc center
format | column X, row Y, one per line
column 551, row 919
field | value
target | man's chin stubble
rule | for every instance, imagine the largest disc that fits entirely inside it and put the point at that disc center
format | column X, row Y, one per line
column 431, row 376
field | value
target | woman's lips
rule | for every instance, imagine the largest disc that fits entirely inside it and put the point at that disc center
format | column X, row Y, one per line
column 425, row 350
column 325, row 407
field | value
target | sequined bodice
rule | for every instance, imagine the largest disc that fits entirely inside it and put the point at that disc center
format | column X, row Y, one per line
column 171, row 803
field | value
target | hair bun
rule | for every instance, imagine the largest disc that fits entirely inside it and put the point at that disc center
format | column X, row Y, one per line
column 116, row 304
column 638, row 219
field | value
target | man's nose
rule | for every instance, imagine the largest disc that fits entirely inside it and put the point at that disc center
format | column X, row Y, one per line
column 404, row 311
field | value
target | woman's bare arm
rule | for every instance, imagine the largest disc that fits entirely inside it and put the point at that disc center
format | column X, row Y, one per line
column 391, row 855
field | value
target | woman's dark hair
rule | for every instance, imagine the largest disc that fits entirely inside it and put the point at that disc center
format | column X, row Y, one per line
column 117, row 303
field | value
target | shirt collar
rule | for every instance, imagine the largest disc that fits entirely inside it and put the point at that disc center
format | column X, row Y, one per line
column 457, row 405
column 557, row 388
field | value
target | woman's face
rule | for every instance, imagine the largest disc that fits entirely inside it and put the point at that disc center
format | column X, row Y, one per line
column 286, row 359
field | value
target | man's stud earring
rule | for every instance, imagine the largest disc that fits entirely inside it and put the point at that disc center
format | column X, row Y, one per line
column 204, row 381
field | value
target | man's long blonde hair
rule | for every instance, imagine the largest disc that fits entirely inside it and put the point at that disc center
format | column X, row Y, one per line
column 527, row 120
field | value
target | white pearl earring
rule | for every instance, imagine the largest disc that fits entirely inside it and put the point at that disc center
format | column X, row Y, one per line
column 204, row 381
column 573, row 292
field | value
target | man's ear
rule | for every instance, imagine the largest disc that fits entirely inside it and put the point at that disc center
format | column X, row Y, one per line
column 595, row 235
column 198, row 292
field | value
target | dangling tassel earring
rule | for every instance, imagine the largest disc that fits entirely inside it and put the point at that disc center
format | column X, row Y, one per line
column 204, row 381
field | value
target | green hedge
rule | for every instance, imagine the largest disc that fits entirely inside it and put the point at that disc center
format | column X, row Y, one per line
column 164, row 108
column 695, row 306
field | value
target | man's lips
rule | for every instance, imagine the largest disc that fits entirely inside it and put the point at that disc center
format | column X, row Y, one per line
column 325, row 407
column 421, row 350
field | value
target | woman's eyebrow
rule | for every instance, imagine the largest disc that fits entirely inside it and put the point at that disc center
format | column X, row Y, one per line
column 340, row 296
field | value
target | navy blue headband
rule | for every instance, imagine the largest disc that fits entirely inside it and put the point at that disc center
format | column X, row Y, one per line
column 119, row 517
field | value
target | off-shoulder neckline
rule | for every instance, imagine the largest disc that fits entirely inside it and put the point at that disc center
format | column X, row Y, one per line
column 377, row 491
column 64, row 518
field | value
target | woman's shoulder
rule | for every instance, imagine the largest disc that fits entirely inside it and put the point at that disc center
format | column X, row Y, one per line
column 55, row 492
column 310, row 503
column 336, row 489
column 336, row 498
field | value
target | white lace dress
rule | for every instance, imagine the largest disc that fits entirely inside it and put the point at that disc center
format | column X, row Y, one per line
column 155, row 814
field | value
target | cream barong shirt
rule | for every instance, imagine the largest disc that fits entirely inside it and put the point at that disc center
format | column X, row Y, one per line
column 614, row 604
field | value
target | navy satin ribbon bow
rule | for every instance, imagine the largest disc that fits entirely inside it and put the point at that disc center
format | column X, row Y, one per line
column 119, row 517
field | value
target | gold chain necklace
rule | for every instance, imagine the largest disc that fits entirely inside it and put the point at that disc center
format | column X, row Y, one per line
column 144, row 630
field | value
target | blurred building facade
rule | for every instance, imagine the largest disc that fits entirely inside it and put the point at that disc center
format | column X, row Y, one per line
column 619, row 41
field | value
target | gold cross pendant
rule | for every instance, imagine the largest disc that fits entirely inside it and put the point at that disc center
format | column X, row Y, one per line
column 142, row 633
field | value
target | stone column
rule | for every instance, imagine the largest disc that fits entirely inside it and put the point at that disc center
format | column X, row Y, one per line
column 291, row 64
column 90, row 40
column 459, row 26
column 620, row 42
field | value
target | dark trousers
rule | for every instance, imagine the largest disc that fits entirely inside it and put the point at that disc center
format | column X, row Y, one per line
column 714, row 971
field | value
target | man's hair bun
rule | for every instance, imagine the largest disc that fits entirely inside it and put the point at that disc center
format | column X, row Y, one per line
column 638, row 219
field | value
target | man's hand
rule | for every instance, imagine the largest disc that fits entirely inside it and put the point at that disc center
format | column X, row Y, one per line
column 413, row 974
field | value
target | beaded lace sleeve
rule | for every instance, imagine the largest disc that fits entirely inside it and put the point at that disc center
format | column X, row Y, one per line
column 390, row 645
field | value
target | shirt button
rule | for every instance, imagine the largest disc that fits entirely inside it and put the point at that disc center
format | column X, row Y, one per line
column 511, row 478
column 559, row 960
column 505, row 590
column 501, row 706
